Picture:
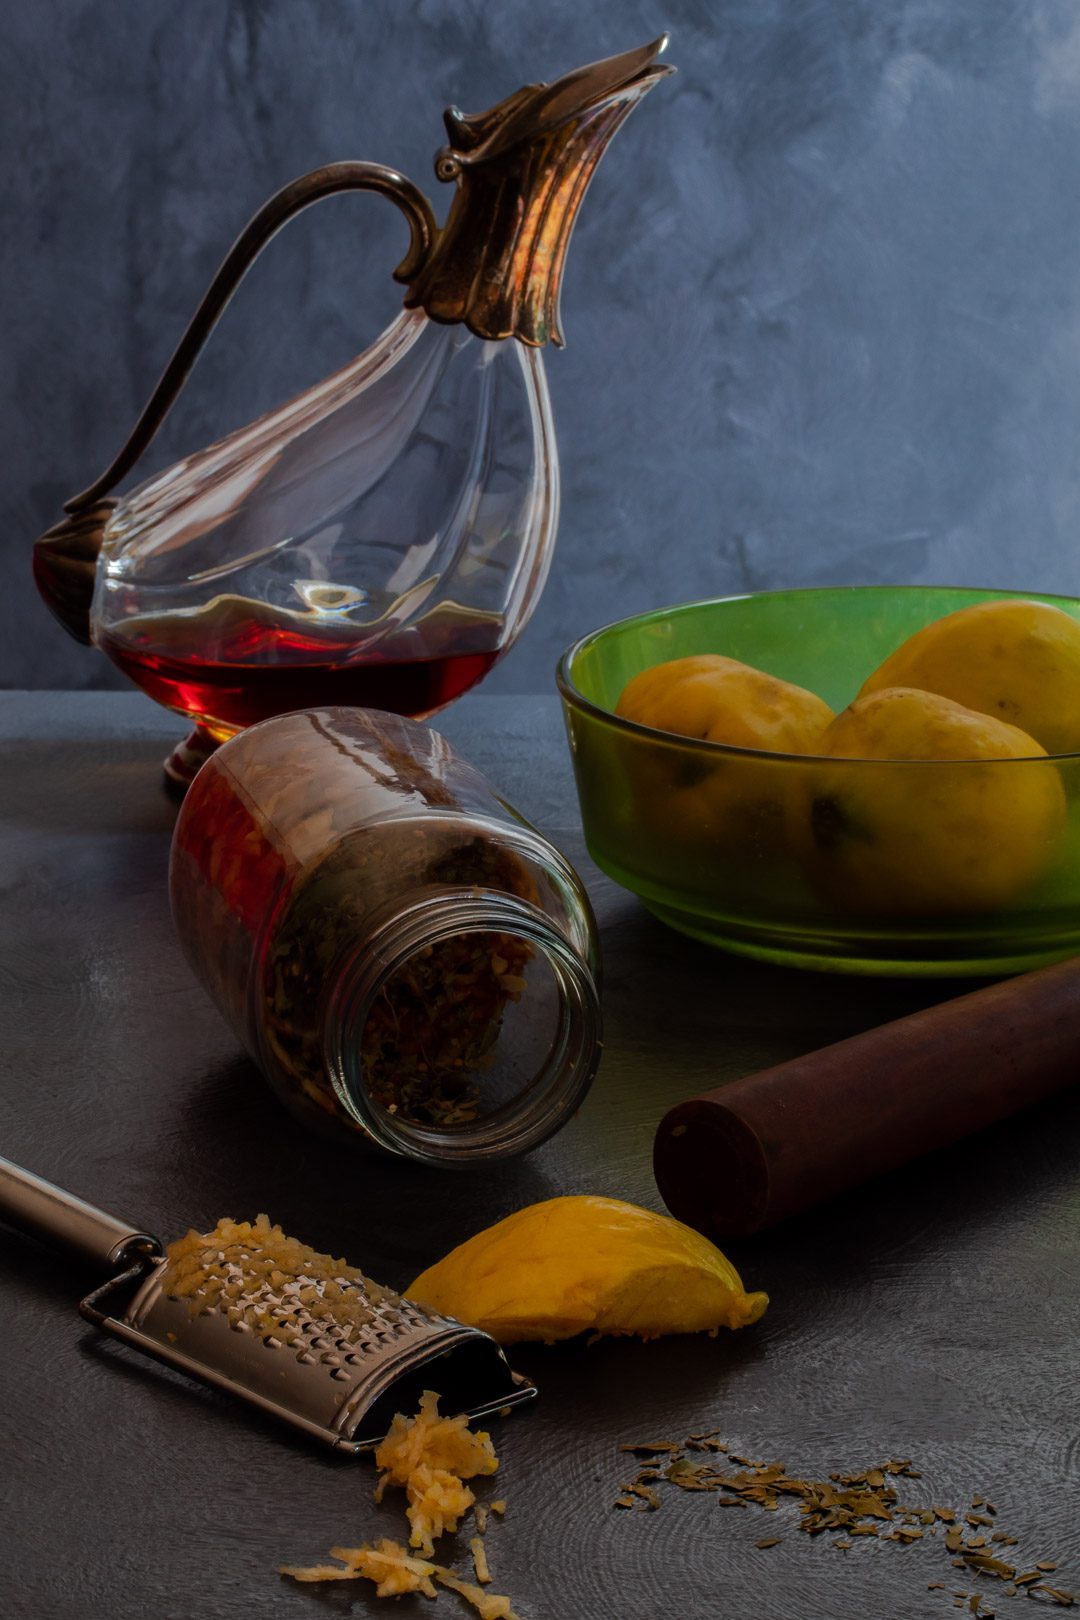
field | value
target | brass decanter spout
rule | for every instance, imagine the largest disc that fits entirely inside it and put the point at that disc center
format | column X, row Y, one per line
column 522, row 169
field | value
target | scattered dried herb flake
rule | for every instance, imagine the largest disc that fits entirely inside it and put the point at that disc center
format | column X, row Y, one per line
column 855, row 1504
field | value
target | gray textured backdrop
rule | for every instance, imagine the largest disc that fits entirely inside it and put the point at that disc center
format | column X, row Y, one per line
column 822, row 306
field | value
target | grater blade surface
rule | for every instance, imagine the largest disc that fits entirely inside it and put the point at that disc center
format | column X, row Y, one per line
column 335, row 1378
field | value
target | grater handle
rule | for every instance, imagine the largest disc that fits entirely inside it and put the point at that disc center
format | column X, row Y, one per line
column 34, row 1206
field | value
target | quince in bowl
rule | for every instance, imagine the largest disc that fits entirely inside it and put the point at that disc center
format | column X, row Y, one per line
column 882, row 779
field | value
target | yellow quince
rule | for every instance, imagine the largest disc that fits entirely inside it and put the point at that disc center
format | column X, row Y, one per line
column 736, row 804
column 720, row 700
column 969, row 835
column 1018, row 661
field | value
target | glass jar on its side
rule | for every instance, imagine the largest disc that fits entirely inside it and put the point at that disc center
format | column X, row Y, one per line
column 404, row 957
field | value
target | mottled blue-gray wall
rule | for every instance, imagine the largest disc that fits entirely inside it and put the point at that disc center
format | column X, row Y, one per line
column 822, row 305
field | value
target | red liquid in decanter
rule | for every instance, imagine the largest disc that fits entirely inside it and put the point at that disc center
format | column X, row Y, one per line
column 246, row 664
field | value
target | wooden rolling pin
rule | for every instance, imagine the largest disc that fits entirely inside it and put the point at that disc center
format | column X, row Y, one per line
column 770, row 1145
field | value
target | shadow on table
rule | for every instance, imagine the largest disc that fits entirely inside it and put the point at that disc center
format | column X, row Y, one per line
column 602, row 1382
column 178, row 1392
column 1002, row 1203
column 388, row 1215
column 710, row 1014
column 112, row 785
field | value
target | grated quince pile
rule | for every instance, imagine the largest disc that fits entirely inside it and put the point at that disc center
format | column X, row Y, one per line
column 586, row 1264
column 429, row 1456
column 268, row 1281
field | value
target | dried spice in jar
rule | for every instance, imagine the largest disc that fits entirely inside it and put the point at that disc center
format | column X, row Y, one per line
column 403, row 956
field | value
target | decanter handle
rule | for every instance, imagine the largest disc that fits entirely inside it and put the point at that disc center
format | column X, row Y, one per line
column 299, row 194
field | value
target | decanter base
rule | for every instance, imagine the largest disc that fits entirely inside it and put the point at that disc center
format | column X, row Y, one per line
column 187, row 758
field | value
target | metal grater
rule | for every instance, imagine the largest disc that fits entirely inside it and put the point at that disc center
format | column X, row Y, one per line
column 342, row 1384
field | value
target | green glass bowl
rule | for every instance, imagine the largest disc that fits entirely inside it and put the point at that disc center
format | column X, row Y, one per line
column 858, row 866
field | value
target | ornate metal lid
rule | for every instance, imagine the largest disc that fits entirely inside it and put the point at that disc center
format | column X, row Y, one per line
column 522, row 169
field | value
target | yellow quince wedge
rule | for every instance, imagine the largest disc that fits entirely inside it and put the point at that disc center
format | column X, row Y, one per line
column 586, row 1264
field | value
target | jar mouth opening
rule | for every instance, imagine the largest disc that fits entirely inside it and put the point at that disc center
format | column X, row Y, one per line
column 468, row 1030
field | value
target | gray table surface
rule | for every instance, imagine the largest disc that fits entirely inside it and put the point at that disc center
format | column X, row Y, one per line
column 935, row 1315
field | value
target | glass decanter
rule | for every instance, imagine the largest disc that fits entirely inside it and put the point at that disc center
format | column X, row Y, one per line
column 382, row 539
